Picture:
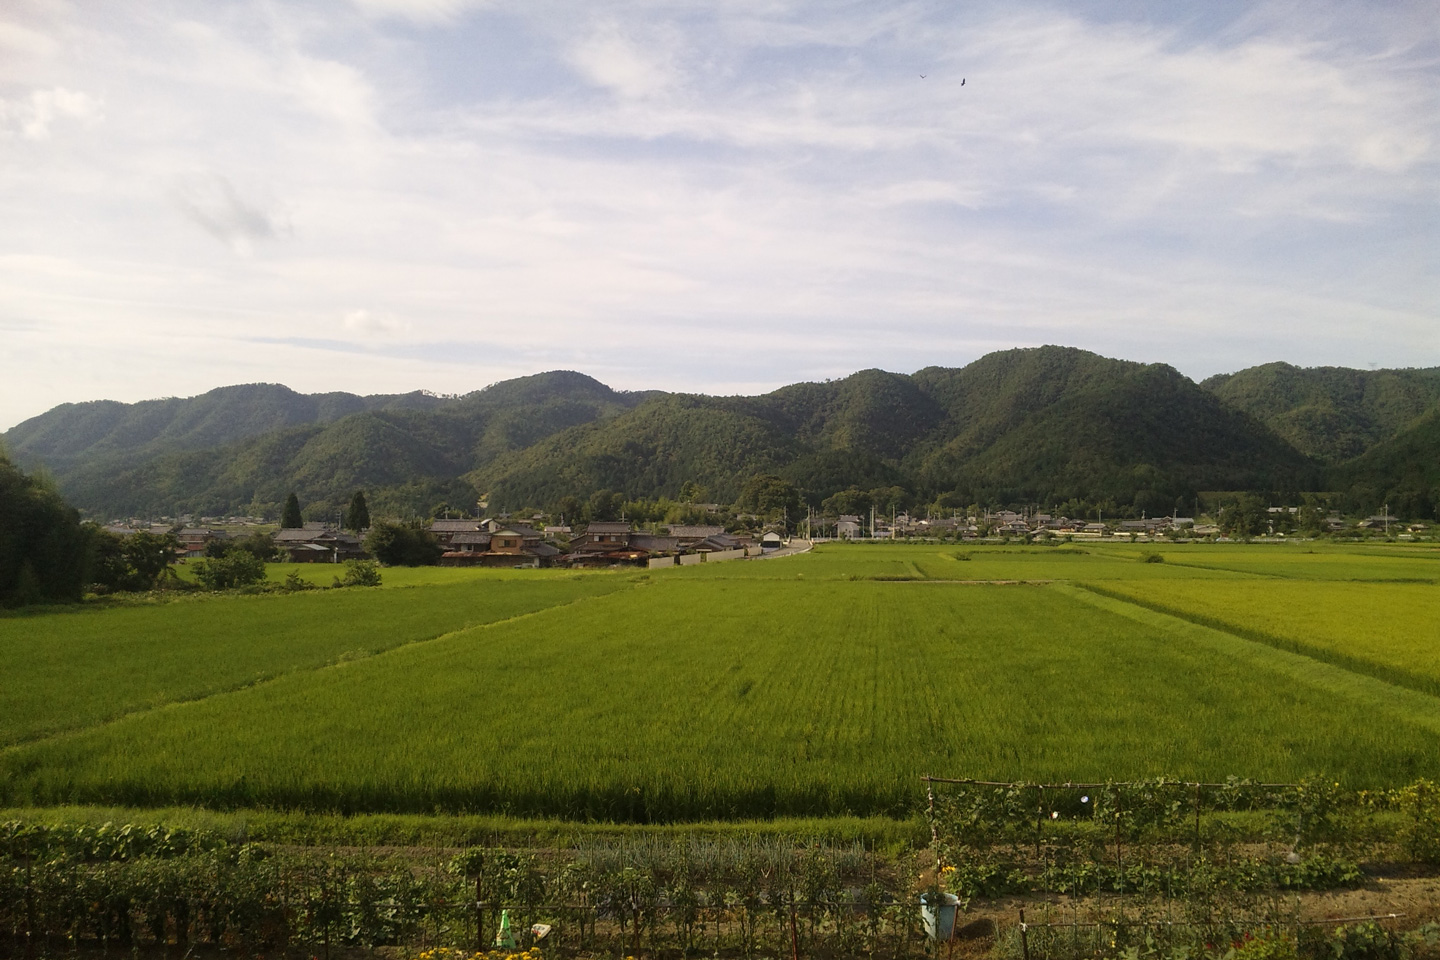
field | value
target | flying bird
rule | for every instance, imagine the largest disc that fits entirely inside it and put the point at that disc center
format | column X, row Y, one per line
column 962, row 81
column 922, row 76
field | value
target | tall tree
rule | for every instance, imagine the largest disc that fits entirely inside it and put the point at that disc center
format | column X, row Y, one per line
column 291, row 519
column 357, row 518
column 44, row 552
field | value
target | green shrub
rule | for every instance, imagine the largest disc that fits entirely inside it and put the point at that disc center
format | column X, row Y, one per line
column 237, row 568
column 1419, row 835
column 359, row 573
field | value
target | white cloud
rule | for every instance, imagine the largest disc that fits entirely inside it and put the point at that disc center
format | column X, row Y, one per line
column 332, row 90
column 35, row 115
column 636, row 67
column 21, row 41
column 419, row 11
column 366, row 324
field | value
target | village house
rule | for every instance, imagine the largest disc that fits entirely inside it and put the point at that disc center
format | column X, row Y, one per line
column 717, row 543
column 604, row 542
column 445, row 530
column 310, row 545
column 654, row 544
column 690, row 534
column 505, row 545
column 193, row 540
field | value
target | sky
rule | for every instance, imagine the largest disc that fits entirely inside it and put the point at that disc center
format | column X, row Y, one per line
column 380, row 196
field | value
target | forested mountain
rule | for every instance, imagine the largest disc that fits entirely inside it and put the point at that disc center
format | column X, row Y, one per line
column 1403, row 472
column 1051, row 425
column 1331, row 413
column 1045, row 425
column 75, row 431
column 410, row 450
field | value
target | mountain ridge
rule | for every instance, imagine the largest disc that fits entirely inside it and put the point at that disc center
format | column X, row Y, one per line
column 1047, row 425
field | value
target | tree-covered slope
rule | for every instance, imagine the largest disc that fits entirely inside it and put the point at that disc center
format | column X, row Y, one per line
column 1142, row 435
column 649, row 451
column 1332, row 413
column 213, row 419
column 1048, row 425
column 408, row 450
column 1403, row 472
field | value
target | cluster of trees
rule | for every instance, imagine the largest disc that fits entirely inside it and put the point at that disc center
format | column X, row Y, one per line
column 610, row 505
column 236, row 563
column 47, row 555
column 1248, row 515
column 357, row 515
column 407, row 544
column 138, row 561
column 44, row 551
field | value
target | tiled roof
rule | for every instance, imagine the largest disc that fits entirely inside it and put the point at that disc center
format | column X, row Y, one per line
column 454, row 526
column 294, row 535
column 721, row 541
column 696, row 531
column 609, row 526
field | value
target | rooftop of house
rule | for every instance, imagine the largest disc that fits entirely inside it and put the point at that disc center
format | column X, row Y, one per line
column 687, row 531
column 453, row 526
column 517, row 529
column 720, row 541
column 609, row 526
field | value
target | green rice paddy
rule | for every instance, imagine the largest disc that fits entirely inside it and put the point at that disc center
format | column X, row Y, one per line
column 78, row 668
column 818, row 685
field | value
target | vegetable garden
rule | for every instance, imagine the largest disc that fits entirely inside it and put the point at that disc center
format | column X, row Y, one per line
column 1155, row 868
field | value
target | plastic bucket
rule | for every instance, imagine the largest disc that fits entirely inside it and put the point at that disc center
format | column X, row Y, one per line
column 937, row 912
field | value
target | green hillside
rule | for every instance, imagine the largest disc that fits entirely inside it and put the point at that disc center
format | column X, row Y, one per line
column 1065, row 427
column 247, row 447
column 222, row 416
column 1332, row 413
column 1046, row 425
column 1403, row 471
column 1051, row 425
